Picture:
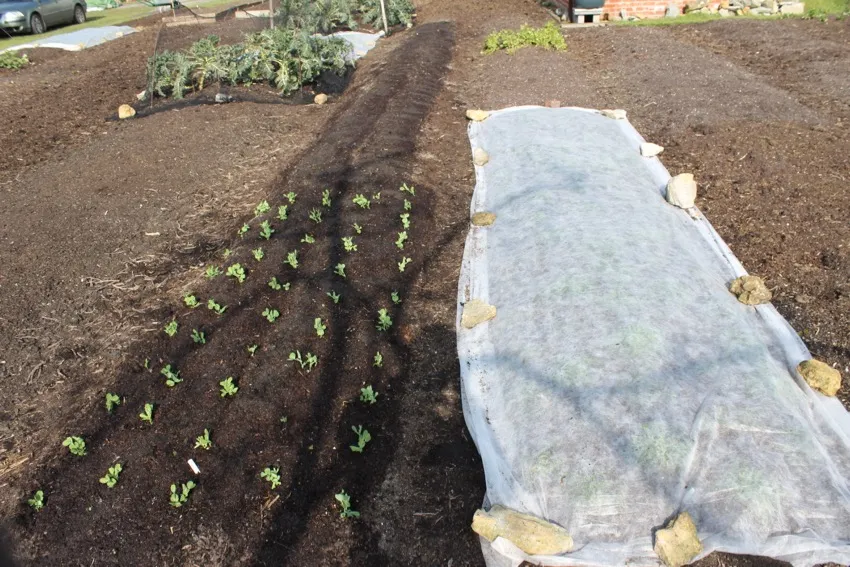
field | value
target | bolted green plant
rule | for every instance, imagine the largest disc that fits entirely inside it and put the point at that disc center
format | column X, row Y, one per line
column 258, row 254
column 357, row 228
column 368, row 395
column 212, row 271
column 361, row 201
column 348, row 244
column 203, row 441
column 199, row 337
column 308, row 239
column 266, row 230
column 292, row 259
column 171, row 328
column 252, row 349
column 326, row 198
column 261, row 208
column 75, row 445
column 147, row 414
column 237, row 272
column 243, row 230
column 272, row 475
column 378, row 360
column 110, row 479
column 283, row 212
column 316, row 215
column 291, row 197
column 403, row 264
column 384, row 320
column 402, row 237
column 37, row 500
column 363, row 437
column 335, row 296
column 228, row 387
column 319, row 327
column 345, row 504
column 339, row 270
column 405, row 220
column 172, row 376
column 177, row 499
column 309, row 361
column 271, row 315
column 405, row 188
column 213, row 306
column 407, row 205
column 191, row 301
column 395, row 297
column 112, row 401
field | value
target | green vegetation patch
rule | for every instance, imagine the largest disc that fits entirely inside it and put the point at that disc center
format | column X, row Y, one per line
column 548, row 36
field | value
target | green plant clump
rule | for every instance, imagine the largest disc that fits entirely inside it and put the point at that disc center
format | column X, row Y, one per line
column 75, row 445
column 228, row 388
column 177, row 499
column 203, row 441
column 37, row 500
column 147, row 414
column 345, row 503
column 112, row 401
column 10, row 60
column 272, row 475
column 110, row 479
column 368, row 395
column 548, row 37
column 363, row 437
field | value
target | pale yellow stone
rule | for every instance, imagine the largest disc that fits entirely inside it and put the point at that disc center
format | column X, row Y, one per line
column 126, row 111
column 320, row 98
column 480, row 157
column 477, row 115
column 529, row 533
column 750, row 290
column 678, row 543
column 682, row 190
column 820, row 376
column 483, row 218
column 648, row 149
column 475, row 312
column 617, row 114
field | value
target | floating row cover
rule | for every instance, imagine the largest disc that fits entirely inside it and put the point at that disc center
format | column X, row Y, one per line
column 620, row 383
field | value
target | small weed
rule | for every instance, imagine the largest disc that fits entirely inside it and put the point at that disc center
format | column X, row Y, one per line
column 171, row 328
column 252, row 349
column 212, row 271
column 316, row 215
column 261, row 208
column 283, row 212
column 291, row 197
column 203, row 441
column 308, row 239
column 213, row 306
column 147, row 364
column 395, row 297
column 243, row 230
column 348, row 244
column 191, row 301
column 236, row 271
column 37, row 500
column 378, row 360
column 339, row 270
column 368, row 395
column 228, row 388
column 345, row 503
column 258, row 254
column 377, row 197
column 272, row 475
column 76, row 445
column 407, row 205
column 362, row 201
column 403, row 264
column 320, row 328
column 110, row 479
column 402, row 237
column 335, row 296
column 284, row 419
column 177, row 499
column 384, row 320
column 326, row 198
column 407, row 189
column 271, row 314
column 266, row 230
column 363, row 437
column 172, row 377
column 405, row 220
column 292, row 259
column 308, row 362
column 357, row 228
column 147, row 414
column 112, row 401
column 199, row 337
column 274, row 284
column 227, row 253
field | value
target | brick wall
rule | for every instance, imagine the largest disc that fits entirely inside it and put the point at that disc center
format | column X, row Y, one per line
column 641, row 8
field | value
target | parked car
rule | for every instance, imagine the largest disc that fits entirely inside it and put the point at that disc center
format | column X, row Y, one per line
column 35, row 16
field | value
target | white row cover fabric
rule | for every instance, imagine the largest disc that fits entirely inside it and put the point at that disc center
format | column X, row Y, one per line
column 620, row 382
column 77, row 40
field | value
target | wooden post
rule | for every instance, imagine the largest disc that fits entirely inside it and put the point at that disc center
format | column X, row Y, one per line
column 271, row 14
column 384, row 16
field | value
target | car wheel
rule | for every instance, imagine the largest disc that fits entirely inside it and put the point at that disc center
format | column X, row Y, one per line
column 36, row 24
column 79, row 14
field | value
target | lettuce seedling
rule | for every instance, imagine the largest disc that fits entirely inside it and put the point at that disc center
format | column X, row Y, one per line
column 147, row 414
column 191, row 301
column 335, row 296
column 110, row 479
column 363, row 437
column 171, row 328
column 379, row 359
column 112, row 401
column 262, row 207
column 403, row 264
column 292, row 259
column 291, row 197
column 395, row 297
column 258, row 254
column 213, row 306
column 243, row 230
column 405, row 220
column 402, row 237
column 271, row 314
column 339, row 270
column 308, row 239
column 75, row 445
column 177, row 499
column 236, row 271
column 228, row 388
column 316, row 215
column 308, row 362
column 203, row 441
column 345, row 503
column 252, row 349
column 357, row 228
column 384, row 320
column 361, row 201
column 348, row 244
column 407, row 205
column 407, row 189
column 212, row 271
column 326, row 198
column 320, row 329
column 272, row 475
column 274, row 284
column 282, row 212
column 172, row 377
column 266, row 230
column 199, row 337
column 37, row 500
column 368, row 395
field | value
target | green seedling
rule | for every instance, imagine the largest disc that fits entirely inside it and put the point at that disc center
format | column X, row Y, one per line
column 266, row 230
column 213, row 306
column 292, row 259
column 283, row 212
column 147, row 364
column 236, row 271
column 403, row 264
column 76, row 445
column 291, row 197
column 274, row 284
column 395, row 297
column 316, row 215
column 378, row 360
column 203, row 441
column 272, row 475
column 147, row 414
column 363, row 437
column 227, row 253
column 191, row 301
column 284, row 419
column 348, row 244
column 308, row 362
column 177, row 499
column 199, row 337
column 335, row 296
column 407, row 189
column 252, row 349
column 271, row 314
column 112, row 401
column 361, row 201
column 258, row 254
column 37, row 500
column 357, row 228
column 171, row 328
column 308, row 239
column 320, row 329
column 326, row 198
column 172, row 377
column 368, row 395
column 243, row 230
column 228, row 388
column 407, row 205
column 263, row 207
column 345, row 503
column 212, row 271
column 402, row 237
column 339, row 270
column 377, row 196
column 384, row 320
column 405, row 220
column 110, row 479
